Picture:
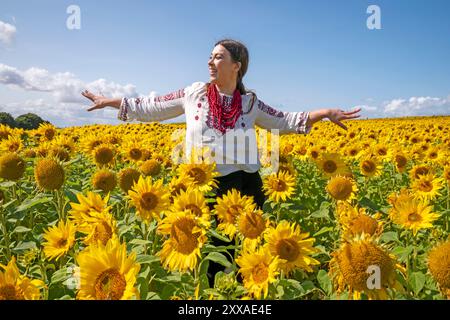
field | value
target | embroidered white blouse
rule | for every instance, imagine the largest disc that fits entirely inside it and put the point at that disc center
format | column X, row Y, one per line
column 193, row 102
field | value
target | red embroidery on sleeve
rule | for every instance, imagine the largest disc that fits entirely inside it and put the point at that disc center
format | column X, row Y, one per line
column 269, row 110
column 171, row 96
column 123, row 110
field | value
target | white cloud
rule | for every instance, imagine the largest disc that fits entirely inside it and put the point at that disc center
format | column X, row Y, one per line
column 366, row 107
column 417, row 106
column 65, row 87
column 7, row 32
column 65, row 106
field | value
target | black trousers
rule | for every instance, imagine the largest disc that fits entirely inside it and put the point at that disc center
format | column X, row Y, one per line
column 249, row 184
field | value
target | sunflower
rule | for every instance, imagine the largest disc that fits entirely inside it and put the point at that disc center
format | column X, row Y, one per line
column 103, row 154
column 86, row 207
column 150, row 167
column 420, row 170
column 5, row 131
column 89, row 142
column 66, row 142
column 286, row 164
column 415, row 139
column 11, row 144
column 355, row 222
column 352, row 150
column 133, row 150
column 113, row 139
column 49, row 174
column 446, row 174
column 413, row 214
column 228, row 209
column 351, row 265
column 381, row 151
column 59, row 153
column 107, row 272
column 104, row 180
column 203, row 174
column 127, row 178
column 404, row 195
column 259, row 269
column 164, row 160
column 331, row 164
column 434, row 154
column 43, row 150
column 99, row 227
column 47, row 131
column 439, row 265
column 314, row 152
column 178, row 184
column 251, row 225
column 14, row 286
column 427, row 186
column 149, row 198
column 186, row 237
column 292, row 247
column 341, row 188
column 59, row 239
column 12, row 166
column 279, row 186
column 401, row 161
column 370, row 167
column 193, row 201
column 29, row 153
column 300, row 151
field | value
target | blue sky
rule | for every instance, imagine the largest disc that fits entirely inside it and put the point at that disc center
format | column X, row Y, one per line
column 304, row 55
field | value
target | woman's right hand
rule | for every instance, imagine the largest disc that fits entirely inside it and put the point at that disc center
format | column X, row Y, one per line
column 100, row 102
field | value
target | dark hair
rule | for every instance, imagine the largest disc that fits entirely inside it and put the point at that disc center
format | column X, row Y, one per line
column 239, row 53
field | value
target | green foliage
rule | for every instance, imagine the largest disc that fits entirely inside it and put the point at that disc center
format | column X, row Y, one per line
column 7, row 119
column 29, row 121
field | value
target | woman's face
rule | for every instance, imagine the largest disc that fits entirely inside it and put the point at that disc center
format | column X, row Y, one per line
column 222, row 69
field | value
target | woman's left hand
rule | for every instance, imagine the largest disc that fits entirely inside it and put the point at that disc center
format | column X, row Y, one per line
column 337, row 115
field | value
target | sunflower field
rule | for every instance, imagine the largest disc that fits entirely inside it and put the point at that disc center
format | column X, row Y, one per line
column 102, row 212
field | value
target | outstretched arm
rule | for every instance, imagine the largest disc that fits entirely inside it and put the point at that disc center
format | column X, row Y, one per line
column 299, row 122
column 143, row 108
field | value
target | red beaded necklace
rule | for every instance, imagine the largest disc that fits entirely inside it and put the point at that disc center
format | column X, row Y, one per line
column 223, row 117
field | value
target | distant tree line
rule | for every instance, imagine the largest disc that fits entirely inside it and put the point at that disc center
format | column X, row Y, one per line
column 28, row 121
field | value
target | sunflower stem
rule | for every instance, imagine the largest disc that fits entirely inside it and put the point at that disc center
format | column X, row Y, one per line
column 365, row 186
column 59, row 196
column 380, row 193
column 196, row 277
column 62, row 203
column 5, row 233
column 236, row 245
column 14, row 191
column 143, row 230
column 44, row 278
column 334, row 209
column 154, row 241
column 278, row 209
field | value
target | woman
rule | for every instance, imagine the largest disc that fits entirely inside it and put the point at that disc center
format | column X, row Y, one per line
column 216, row 109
